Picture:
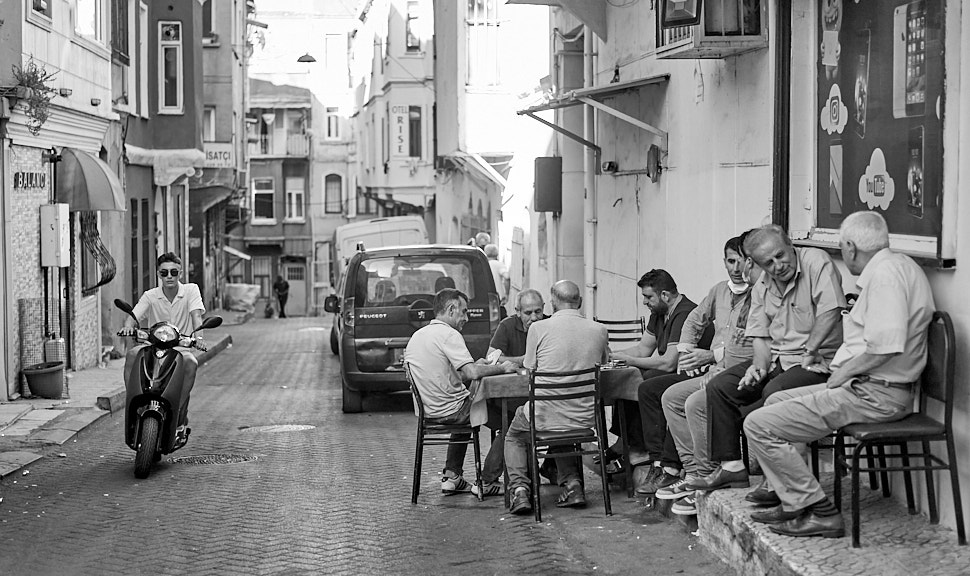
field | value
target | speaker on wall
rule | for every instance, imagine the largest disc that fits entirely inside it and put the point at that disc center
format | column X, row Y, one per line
column 548, row 184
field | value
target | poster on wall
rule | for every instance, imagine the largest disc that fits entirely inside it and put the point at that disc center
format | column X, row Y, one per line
column 880, row 123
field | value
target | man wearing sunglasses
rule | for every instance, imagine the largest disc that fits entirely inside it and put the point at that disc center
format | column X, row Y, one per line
column 176, row 303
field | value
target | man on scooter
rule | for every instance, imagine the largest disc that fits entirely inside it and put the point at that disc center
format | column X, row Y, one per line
column 176, row 303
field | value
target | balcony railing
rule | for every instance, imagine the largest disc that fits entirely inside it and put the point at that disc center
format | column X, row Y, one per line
column 292, row 145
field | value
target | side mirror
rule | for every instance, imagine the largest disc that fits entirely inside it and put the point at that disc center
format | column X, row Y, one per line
column 502, row 313
column 126, row 308
column 210, row 322
column 331, row 304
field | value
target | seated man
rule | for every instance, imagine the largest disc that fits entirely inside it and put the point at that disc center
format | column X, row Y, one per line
column 509, row 343
column 795, row 323
column 440, row 363
column 875, row 376
column 656, row 356
column 442, row 282
column 565, row 341
column 685, row 403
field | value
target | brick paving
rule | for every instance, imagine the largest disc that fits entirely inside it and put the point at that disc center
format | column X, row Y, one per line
column 334, row 499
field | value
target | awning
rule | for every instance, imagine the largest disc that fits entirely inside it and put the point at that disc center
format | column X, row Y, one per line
column 202, row 199
column 85, row 182
column 236, row 253
column 590, row 12
column 591, row 97
column 475, row 163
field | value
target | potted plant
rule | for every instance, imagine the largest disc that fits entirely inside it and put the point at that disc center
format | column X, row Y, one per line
column 32, row 92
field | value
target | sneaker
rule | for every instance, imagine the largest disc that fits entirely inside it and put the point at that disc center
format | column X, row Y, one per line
column 645, row 478
column 675, row 491
column 660, row 479
column 454, row 485
column 521, row 502
column 686, row 506
column 489, row 489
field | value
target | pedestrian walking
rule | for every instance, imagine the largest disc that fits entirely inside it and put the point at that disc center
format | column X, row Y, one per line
column 281, row 289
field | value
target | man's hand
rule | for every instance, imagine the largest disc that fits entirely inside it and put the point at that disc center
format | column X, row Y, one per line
column 752, row 376
column 614, row 356
column 838, row 379
column 694, row 359
column 508, row 366
column 126, row 331
column 813, row 362
column 200, row 343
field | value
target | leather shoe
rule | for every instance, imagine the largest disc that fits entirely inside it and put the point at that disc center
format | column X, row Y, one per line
column 521, row 502
column 572, row 496
column 811, row 524
column 775, row 515
column 763, row 496
column 721, row 478
column 549, row 471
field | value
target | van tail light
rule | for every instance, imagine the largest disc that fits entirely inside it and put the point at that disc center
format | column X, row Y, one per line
column 493, row 306
column 348, row 311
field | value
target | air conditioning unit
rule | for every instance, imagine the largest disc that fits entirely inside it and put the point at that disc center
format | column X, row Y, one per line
column 726, row 28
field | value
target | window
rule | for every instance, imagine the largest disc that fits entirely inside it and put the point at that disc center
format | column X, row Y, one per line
column 262, row 272
column 263, row 199
column 89, row 20
column 333, row 194
column 333, row 124
column 483, row 39
column 209, row 124
column 294, row 198
column 142, row 59
column 413, row 37
column 120, row 24
column 42, row 7
column 170, row 68
column 414, row 131
column 365, row 205
column 207, row 19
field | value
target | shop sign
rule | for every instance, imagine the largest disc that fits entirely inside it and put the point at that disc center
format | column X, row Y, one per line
column 400, row 133
column 29, row 180
column 219, row 155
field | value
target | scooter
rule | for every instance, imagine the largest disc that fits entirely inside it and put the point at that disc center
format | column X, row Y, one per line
column 154, row 390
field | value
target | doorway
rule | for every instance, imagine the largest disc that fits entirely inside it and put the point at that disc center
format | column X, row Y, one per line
column 295, row 274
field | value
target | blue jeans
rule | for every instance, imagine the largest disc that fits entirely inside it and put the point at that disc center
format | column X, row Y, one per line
column 517, row 455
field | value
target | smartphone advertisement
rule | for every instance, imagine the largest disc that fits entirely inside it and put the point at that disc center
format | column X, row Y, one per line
column 880, row 74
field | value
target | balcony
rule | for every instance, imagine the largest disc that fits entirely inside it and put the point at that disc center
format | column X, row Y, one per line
column 297, row 145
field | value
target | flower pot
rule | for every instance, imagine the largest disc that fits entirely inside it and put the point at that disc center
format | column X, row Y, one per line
column 46, row 379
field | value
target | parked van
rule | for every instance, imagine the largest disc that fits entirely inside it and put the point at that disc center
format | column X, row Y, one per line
column 386, row 294
column 375, row 233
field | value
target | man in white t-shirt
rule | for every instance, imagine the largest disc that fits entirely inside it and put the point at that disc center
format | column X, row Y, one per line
column 440, row 365
column 174, row 302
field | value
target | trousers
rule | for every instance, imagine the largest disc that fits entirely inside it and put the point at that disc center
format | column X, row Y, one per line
column 518, row 453
column 791, row 418
column 685, row 409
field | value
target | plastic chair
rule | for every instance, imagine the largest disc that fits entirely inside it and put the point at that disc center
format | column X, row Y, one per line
column 541, row 441
column 624, row 330
column 937, row 383
column 431, row 433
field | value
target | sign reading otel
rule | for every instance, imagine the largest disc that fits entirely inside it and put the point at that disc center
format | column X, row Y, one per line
column 399, row 132
column 219, row 155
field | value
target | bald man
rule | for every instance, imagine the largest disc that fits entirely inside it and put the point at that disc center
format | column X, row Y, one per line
column 565, row 341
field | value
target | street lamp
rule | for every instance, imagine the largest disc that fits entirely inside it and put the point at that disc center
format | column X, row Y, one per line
column 306, row 58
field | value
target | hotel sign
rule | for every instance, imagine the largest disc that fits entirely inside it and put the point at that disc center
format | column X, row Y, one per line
column 29, row 180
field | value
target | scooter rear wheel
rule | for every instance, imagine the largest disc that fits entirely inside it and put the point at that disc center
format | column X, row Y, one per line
column 147, row 445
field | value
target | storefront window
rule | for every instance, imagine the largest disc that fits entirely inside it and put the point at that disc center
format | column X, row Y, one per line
column 880, row 124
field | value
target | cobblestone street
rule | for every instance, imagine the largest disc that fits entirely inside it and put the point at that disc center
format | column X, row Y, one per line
column 331, row 499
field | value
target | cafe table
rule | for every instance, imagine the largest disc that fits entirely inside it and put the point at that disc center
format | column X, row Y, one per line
column 615, row 384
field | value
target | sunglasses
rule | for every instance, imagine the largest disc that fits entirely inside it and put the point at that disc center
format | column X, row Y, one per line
column 166, row 272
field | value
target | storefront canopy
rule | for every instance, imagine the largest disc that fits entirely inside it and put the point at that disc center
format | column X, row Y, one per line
column 85, row 182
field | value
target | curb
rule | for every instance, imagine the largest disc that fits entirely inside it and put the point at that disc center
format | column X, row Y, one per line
column 12, row 463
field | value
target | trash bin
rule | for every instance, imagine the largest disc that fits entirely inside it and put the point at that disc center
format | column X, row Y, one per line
column 46, row 379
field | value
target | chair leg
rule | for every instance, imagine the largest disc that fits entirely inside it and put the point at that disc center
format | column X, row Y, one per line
column 744, row 453
column 856, row 529
column 478, row 465
column 814, row 447
column 873, row 482
column 951, row 455
column 602, row 438
column 418, row 453
column 620, row 407
column 907, row 478
column 838, row 459
column 883, row 474
column 930, row 487
column 534, row 477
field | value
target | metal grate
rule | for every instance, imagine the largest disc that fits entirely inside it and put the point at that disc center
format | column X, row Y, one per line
column 214, row 459
column 277, row 428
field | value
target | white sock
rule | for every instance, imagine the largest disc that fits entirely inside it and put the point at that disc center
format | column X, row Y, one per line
column 733, row 466
column 671, row 471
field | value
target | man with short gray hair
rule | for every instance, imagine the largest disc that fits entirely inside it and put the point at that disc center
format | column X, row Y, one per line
column 874, row 377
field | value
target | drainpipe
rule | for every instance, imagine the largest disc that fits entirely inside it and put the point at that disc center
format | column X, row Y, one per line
column 589, row 176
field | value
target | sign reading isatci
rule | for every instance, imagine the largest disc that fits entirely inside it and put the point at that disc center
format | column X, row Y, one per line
column 219, row 155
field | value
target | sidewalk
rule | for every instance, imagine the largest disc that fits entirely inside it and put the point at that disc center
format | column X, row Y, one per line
column 33, row 428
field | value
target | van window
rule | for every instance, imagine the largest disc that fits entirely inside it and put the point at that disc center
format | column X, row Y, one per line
column 399, row 281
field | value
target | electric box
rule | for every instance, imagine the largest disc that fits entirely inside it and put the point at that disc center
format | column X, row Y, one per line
column 55, row 236
column 548, row 184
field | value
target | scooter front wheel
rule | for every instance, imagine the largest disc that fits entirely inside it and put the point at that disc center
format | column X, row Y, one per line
column 147, row 446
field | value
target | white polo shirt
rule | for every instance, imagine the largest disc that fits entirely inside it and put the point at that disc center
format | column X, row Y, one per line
column 434, row 355
column 155, row 307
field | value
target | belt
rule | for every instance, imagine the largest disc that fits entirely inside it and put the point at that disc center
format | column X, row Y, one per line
column 886, row 383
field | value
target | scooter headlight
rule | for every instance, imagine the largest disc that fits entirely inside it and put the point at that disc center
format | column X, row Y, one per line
column 164, row 333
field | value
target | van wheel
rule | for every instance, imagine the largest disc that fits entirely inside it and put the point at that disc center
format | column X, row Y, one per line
column 353, row 402
column 334, row 344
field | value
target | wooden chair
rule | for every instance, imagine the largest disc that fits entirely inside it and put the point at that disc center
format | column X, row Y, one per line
column 624, row 330
column 431, row 433
column 936, row 383
column 542, row 441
